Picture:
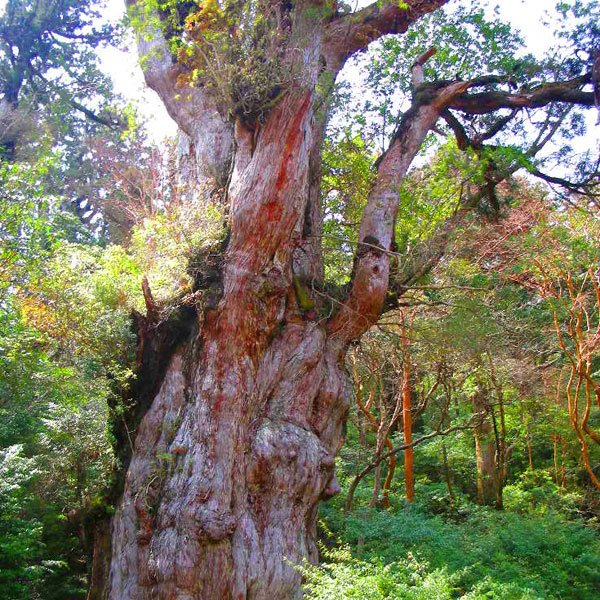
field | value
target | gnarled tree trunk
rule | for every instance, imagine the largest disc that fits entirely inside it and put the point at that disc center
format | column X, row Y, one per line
column 238, row 445
column 240, row 408
column 248, row 407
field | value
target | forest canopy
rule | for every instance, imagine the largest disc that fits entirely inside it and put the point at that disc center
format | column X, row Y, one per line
column 339, row 337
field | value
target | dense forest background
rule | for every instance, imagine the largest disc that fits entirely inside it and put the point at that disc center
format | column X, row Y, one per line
column 471, row 464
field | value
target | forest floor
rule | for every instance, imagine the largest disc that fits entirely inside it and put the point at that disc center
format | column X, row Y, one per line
column 441, row 547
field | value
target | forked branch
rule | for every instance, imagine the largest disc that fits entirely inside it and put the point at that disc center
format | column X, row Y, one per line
column 370, row 281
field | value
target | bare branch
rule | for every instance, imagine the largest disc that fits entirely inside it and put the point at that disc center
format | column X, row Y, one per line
column 496, row 127
column 587, row 187
column 462, row 138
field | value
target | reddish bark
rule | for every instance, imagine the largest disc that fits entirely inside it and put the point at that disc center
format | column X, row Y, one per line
column 383, row 429
column 585, row 340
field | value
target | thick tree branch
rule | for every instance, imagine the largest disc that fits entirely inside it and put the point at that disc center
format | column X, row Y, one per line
column 418, row 77
column 192, row 108
column 371, row 265
column 370, row 280
column 588, row 186
column 350, row 33
column 426, row 260
column 462, row 137
column 486, row 102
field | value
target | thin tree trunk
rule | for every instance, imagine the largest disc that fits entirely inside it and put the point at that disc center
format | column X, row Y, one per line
column 409, row 471
column 529, row 452
column 447, row 472
column 376, row 484
column 500, row 436
column 385, row 490
column 409, row 474
column 484, row 451
column 525, row 424
column 382, row 440
column 498, row 462
column 563, row 472
column 556, row 440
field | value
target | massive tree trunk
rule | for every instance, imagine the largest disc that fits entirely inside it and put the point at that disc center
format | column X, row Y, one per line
column 240, row 407
column 237, row 444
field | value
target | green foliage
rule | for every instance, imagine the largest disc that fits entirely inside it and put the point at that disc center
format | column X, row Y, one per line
column 468, row 45
column 66, row 353
column 431, row 194
column 343, row 576
column 64, row 349
column 487, row 554
column 535, row 492
column 171, row 248
column 237, row 49
column 48, row 71
column 66, row 298
column 20, row 539
column 30, row 220
column 485, row 302
column 347, row 177
column 55, row 457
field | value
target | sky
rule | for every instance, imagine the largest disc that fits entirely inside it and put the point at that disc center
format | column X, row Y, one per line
column 122, row 65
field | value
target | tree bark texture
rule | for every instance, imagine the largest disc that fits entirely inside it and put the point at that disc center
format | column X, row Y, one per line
column 237, row 443
column 409, row 471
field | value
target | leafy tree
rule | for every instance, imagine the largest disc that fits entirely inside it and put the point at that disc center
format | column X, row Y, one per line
column 47, row 62
column 297, row 236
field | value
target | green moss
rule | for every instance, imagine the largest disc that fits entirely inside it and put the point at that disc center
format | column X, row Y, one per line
column 305, row 300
